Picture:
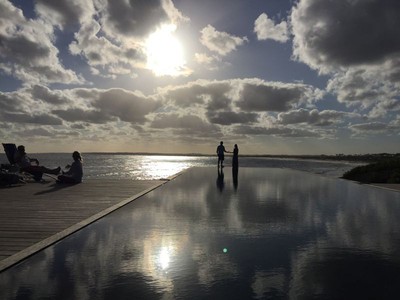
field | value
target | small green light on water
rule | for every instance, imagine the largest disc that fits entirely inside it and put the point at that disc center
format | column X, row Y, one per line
column 225, row 250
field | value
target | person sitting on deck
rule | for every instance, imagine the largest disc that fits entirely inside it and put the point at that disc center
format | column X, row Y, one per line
column 25, row 164
column 75, row 172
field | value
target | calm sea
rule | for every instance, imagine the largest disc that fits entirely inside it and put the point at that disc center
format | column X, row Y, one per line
column 148, row 167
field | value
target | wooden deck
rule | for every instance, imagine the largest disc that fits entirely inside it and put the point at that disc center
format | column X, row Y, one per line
column 36, row 215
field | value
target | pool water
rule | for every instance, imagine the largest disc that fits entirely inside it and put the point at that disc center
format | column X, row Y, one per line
column 261, row 233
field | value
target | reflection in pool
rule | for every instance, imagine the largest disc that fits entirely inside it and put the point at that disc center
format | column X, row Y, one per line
column 268, row 234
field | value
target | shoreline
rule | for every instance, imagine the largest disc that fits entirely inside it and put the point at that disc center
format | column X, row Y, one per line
column 387, row 186
column 362, row 158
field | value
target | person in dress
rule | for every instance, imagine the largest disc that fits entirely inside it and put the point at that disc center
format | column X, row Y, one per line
column 75, row 170
column 235, row 157
column 235, row 166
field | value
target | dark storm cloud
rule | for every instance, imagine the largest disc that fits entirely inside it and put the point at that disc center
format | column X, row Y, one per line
column 358, row 43
column 200, row 92
column 139, row 18
column 30, row 119
column 250, row 95
column 45, row 94
column 369, row 127
column 271, row 97
column 230, row 117
column 80, row 115
column 37, row 132
column 185, row 127
column 345, row 33
column 10, row 102
column 275, row 131
column 189, row 123
column 18, row 48
column 312, row 117
column 125, row 105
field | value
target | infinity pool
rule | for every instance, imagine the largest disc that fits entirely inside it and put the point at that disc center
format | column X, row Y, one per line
column 257, row 234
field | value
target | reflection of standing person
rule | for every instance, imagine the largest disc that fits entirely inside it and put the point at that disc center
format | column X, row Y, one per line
column 235, row 166
column 220, row 180
column 220, row 153
column 235, row 176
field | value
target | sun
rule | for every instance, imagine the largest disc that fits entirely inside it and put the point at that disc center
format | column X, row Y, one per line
column 164, row 52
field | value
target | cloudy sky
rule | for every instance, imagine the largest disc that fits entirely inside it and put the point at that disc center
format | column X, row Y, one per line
column 178, row 76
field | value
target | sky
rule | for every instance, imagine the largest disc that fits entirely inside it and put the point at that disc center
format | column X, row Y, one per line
column 179, row 76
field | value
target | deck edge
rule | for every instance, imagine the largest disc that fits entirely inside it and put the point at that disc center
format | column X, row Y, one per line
column 23, row 254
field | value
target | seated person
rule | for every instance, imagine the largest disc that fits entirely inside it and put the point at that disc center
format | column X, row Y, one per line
column 75, row 172
column 25, row 164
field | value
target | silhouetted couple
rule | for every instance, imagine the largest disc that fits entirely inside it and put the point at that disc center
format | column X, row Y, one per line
column 221, row 155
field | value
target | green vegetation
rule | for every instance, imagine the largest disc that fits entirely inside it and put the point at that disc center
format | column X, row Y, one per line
column 383, row 171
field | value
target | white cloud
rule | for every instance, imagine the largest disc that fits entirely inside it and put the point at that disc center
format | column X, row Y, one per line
column 357, row 42
column 27, row 51
column 220, row 42
column 101, row 52
column 266, row 28
column 62, row 13
column 210, row 62
column 113, row 43
column 370, row 88
column 196, row 110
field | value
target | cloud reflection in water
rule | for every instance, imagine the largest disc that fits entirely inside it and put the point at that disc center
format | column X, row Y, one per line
column 290, row 234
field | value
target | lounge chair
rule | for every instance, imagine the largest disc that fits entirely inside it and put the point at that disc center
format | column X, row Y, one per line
column 10, row 150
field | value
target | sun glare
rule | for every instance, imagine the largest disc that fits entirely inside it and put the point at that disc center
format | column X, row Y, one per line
column 165, row 52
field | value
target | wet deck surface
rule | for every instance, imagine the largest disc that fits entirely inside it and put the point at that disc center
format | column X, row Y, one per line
column 265, row 234
column 34, row 215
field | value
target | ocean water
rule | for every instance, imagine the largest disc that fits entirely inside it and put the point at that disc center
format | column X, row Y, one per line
column 152, row 167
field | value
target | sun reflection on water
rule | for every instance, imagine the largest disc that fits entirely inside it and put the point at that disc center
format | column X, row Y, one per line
column 164, row 258
column 161, row 167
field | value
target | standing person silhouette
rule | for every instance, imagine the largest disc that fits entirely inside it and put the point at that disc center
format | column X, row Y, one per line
column 235, row 166
column 220, row 153
column 235, row 157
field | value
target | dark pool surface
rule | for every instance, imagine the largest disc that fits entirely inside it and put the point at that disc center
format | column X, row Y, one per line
column 265, row 234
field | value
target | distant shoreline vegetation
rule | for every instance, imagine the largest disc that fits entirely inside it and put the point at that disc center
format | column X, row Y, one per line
column 384, row 171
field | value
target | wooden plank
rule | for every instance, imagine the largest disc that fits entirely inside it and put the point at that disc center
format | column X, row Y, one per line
column 35, row 215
